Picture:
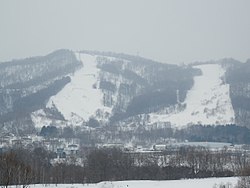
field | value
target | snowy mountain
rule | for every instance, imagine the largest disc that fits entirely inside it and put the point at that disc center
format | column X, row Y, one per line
column 107, row 88
column 97, row 89
column 207, row 102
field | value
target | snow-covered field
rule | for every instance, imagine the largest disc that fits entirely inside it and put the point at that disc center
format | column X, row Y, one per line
column 192, row 183
column 208, row 102
column 81, row 97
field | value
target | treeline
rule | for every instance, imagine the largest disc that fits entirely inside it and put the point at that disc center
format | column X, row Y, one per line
column 229, row 133
column 197, row 133
column 222, row 133
column 25, row 167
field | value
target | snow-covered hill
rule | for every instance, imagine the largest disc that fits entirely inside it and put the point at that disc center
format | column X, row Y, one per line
column 207, row 103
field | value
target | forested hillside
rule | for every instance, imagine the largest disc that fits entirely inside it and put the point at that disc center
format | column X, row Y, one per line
column 238, row 76
column 26, row 85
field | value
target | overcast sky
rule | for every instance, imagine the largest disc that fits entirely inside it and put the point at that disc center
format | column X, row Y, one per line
column 171, row 31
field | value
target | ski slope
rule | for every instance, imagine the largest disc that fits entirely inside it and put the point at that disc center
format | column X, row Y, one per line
column 192, row 183
column 207, row 103
column 81, row 98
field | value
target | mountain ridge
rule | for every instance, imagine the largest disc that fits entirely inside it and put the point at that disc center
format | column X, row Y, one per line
column 129, row 87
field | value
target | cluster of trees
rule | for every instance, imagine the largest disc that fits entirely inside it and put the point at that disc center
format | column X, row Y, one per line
column 54, row 132
column 143, row 103
column 23, row 167
column 105, row 85
column 69, row 132
column 49, row 131
column 13, row 171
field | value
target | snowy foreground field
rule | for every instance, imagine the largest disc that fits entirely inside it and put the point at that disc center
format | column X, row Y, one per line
column 192, row 183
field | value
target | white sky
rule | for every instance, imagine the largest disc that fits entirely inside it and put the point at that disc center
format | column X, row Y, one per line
column 171, row 31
